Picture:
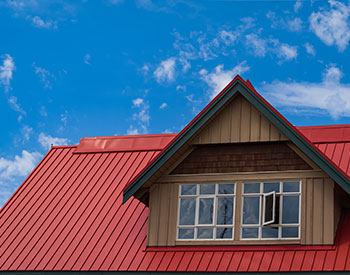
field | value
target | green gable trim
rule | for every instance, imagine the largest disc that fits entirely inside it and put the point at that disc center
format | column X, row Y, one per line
column 181, row 140
column 300, row 142
column 238, row 87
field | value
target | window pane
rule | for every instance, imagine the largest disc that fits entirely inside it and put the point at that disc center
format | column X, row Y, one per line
column 223, row 233
column 270, row 232
column 269, row 209
column 291, row 186
column 250, row 233
column 205, row 189
column 188, row 189
column 271, row 186
column 290, row 212
column 226, row 188
column 251, row 188
column 251, row 210
column 225, row 211
column 290, row 232
column 187, row 211
column 206, row 208
column 186, row 233
column 205, row 233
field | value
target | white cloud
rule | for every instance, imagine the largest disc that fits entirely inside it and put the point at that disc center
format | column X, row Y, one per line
column 228, row 37
column 256, row 44
column 141, row 117
column 20, row 166
column 181, row 88
column 329, row 96
column 26, row 132
column 165, row 72
column 44, row 76
column 163, row 105
column 46, row 141
column 43, row 111
column 219, row 78
column 145, row 69
column 64, row 117
column 12, row 100
column 332, row 26
column 287, row 52
column 137, row 102
column 290, row 24
column 87, row 58
column 295, row 25
column 297, row 5
column 332, row 75
column 41, row 23
column 310, row 49
column 132, row 131
column 260, row 47
column 6, row 71
column 12, row 172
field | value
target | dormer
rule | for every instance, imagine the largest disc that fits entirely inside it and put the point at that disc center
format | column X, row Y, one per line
column 241, row 174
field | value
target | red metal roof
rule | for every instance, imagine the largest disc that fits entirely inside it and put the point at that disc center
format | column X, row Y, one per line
column 68, row 215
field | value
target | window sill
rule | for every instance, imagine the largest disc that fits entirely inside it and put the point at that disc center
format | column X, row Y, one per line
column 240, row 242
column 212, row 247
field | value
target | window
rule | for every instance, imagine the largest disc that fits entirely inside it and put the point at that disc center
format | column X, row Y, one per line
column 206, row 211
column 271, row 210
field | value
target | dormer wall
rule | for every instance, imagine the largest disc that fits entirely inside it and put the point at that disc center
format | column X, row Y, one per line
column 239, row 130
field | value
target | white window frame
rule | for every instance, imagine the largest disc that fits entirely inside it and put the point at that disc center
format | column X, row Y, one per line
column 281, row 194
column 273, row 193
column 214, row 225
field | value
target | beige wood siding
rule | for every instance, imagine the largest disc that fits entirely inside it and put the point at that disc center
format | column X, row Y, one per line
column 239, row 121
column 162, row 221
column 319, row 217
column 318, row 223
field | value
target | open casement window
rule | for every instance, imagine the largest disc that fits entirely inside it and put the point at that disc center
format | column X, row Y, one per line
column 206, row 211
column 271, row 210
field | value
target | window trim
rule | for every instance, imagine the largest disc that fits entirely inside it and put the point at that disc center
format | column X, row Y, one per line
column 214, row 225
column 273, row 193
column 260, row 225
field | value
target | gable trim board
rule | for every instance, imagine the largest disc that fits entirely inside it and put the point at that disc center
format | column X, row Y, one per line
column 238, row 86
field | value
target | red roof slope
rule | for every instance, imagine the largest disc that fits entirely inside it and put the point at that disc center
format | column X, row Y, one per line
column 68, row 215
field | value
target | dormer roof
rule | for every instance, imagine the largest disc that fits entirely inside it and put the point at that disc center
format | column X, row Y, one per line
column 246, row 89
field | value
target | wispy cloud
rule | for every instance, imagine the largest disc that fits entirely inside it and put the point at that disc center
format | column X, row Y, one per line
column 13, row 171
column 257, row 45
column 260, row 47
column 141, row 117
column 45, row 76
column 42, row 14
column 163, row 105
column 310, row 49
column 87, row 58
column 330, row 95
column 165, row 72
column 46, row 141
column 297, row 6
column 293, row 24
column 219, row 78
column 332, row 25
column 6, row 71
column 13, row 102
column 38, row 22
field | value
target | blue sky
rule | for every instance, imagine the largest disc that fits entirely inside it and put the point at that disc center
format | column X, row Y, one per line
column 71, row 69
